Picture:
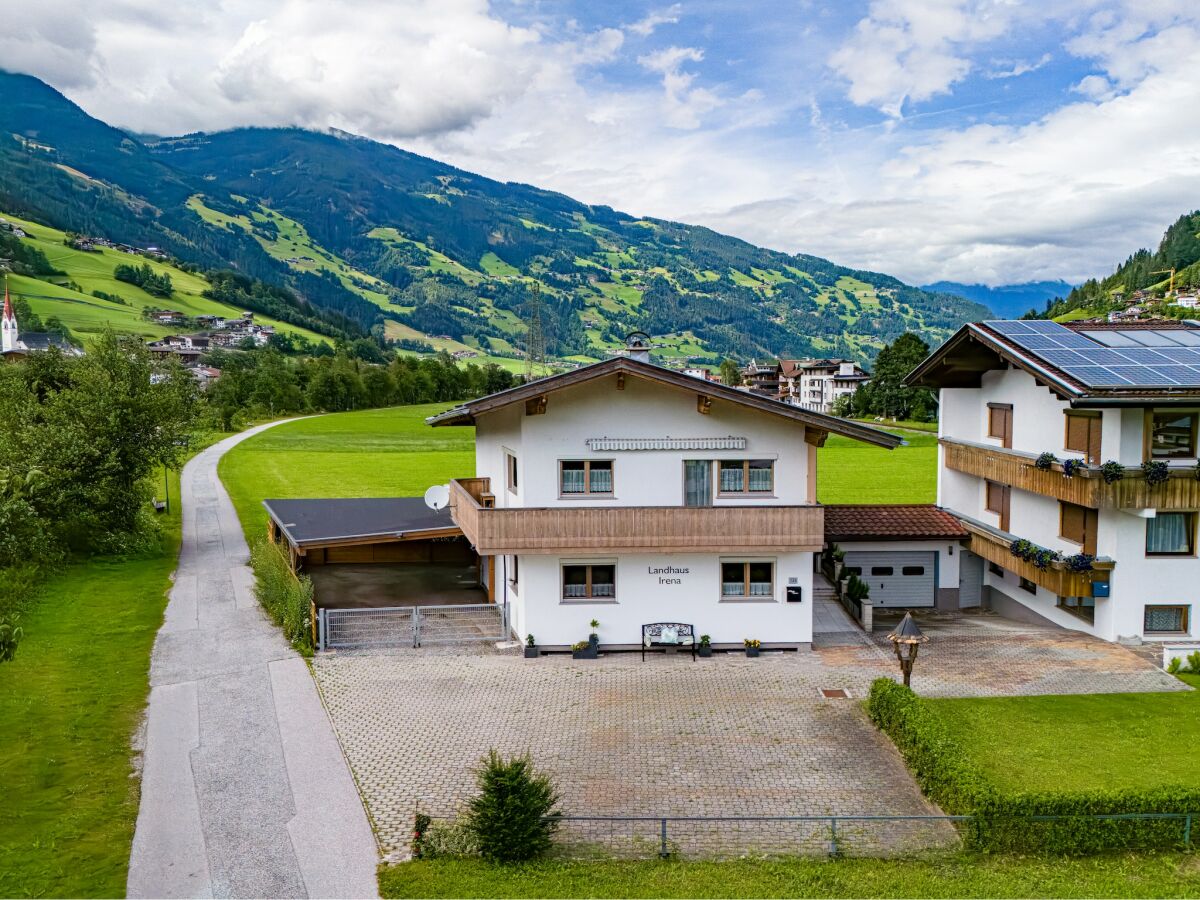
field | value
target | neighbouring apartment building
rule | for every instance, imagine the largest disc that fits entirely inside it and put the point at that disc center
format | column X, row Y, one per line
column 812, row 384
column 1117, row 405
column 633, row 494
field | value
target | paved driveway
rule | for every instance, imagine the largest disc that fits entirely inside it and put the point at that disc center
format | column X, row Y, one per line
column 725, row 736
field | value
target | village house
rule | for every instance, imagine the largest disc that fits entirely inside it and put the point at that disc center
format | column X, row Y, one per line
column 817, row 384
column 15, row 343
column 1069, row 454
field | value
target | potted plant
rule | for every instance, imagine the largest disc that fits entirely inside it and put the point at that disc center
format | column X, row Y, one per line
column 583, row 650
column 594, row 638
column 704, row 648
column 1156, row 472
column 752, row 645
column 1046, row 461
column 531, row 648
column 1112, row 471
column 1071, row 466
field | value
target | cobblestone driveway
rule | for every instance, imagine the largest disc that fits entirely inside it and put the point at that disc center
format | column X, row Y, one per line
column 726, row 736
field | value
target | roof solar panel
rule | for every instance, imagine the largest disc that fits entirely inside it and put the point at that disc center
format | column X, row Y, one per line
column 1188, row 376
column 1149, row 338
column 1144, row 375
column 1006, row 327
column 1098, row 376
column 1181, row 354
column 1071, row 339
column 1167, row 338
column 1187, row 338
column 1035, row 341
column 1144, row 356
column 1112, row 339
column 1045, row 326
column 1064, row 358
column 1101, row 356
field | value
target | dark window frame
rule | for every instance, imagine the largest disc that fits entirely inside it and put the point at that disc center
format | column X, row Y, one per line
column 1185, row 617
column 1190, row 518
column 589, row 595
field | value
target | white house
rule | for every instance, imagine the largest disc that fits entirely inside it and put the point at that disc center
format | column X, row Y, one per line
column 1103, row 399
column 817, row 384
column 632, row 494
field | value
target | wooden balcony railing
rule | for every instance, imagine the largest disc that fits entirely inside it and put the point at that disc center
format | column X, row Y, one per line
column 631, row 529
column 1086, row 487
column 993, row 545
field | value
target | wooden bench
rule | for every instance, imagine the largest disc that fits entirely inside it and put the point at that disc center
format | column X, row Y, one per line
column 668, row 634
column 159, row 505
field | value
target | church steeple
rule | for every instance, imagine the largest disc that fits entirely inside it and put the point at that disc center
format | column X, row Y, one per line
column 9, row 336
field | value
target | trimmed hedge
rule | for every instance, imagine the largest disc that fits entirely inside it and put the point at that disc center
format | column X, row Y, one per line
column 286, row 597
column 1002, row 821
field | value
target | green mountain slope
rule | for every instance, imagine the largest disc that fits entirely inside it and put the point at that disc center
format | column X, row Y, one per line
column 415, row 250
column 1144, row 270
column 72, row 298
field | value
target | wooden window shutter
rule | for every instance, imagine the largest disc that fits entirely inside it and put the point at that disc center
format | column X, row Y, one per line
column 1093, row 444
column 1078, row 432
column 1073, row 522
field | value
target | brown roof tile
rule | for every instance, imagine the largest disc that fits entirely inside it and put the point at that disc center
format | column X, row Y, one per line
column 870, row 522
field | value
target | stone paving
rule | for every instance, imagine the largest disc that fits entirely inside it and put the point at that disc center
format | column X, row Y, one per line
column 725, row 736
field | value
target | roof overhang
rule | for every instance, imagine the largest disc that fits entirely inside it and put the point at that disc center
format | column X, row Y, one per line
column 307, row 524
column 467, row 413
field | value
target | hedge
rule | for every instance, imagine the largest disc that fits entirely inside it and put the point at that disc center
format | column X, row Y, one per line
column 1002, row 821
column 286, row 597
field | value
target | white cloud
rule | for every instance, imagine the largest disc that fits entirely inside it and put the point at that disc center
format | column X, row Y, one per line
column 646, row 26
column 1016, row 68
column 684, row 105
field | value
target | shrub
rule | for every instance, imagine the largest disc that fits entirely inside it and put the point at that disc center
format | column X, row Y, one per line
column 1174, row 666
column 10, row 637
column 286, row 597
column 857, row 589
column 1002, row 822
column 514, row 815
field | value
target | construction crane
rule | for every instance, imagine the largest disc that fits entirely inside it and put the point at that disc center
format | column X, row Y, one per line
column 535, row 336
column 1171, row 289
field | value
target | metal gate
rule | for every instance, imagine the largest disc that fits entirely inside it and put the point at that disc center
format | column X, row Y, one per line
column 410, row 626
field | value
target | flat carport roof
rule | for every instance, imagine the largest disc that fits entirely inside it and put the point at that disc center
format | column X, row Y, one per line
column 362, row 520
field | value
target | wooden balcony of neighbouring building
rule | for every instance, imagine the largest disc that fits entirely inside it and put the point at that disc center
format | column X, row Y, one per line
column 994, row 546
column 631, row 529
column 1086, row 487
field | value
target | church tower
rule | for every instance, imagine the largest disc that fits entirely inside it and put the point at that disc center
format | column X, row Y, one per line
column 8, row 325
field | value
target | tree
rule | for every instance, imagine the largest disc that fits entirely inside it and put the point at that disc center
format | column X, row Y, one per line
column 886, row 394
column 730, row 373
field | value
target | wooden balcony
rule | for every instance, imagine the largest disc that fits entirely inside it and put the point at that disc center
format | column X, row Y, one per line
column 1086, row 487
column 993, row 545
column 585, row 530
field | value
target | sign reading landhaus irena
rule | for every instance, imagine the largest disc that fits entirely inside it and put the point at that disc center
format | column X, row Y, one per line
column 668, row 574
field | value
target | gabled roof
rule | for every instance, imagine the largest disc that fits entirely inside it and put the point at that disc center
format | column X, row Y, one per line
column 890, row 522
column 984, row 346
column 465, row 413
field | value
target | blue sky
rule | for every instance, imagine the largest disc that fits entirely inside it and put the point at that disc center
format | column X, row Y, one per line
column 976, row 140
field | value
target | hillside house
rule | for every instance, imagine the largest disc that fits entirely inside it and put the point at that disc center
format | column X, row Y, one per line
column 15, row 343
column 1108, row 551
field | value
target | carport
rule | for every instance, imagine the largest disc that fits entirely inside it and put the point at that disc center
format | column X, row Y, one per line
column 371, row 553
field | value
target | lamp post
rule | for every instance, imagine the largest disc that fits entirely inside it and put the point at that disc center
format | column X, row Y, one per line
column 907, row 638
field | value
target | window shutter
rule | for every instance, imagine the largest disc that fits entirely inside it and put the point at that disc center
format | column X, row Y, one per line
column 1093, row 444
column 1077, row 433
column 1074, row 522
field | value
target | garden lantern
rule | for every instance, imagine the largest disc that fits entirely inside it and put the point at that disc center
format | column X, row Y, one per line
column 907, row 638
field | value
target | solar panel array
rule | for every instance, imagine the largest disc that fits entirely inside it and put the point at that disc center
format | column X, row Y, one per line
column 1114, row 358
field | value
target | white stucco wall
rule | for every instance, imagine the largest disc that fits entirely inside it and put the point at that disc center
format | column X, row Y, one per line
column 640, row 478
column 643, row 597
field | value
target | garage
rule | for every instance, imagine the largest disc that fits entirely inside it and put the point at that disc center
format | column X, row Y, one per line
column 897, row 577
column 908, row 555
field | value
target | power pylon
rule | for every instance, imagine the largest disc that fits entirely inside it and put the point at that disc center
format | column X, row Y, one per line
column 535, row 337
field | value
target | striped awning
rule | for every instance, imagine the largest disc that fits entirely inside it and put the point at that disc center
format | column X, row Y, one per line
column 730, row 442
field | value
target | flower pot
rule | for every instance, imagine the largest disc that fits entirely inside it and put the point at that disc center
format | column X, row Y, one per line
column 704, row 651
column 594, row 640
column 588, row 652
column 532, row 652
column 752, row 651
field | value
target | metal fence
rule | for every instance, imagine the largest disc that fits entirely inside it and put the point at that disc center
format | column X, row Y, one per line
column 409, row 626
column 717, row 837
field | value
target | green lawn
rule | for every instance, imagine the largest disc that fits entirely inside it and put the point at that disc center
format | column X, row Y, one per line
column 1165, row 875
column 1031, row 743
column 69, row 704
column 373, row 453
column 853, row 472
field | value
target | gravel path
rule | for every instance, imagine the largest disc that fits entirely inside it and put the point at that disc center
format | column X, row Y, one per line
column 245, row 791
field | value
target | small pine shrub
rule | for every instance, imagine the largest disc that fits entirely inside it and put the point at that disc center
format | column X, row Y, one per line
column 857, row 589
column 515, row 813
column 1174, row 666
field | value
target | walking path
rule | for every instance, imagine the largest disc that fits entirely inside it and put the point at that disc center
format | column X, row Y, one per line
column 245, row 791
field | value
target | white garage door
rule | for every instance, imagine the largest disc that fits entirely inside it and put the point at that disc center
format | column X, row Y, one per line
column 896, row 577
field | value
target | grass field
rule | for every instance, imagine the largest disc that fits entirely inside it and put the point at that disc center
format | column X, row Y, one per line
column 1165, row 875
column 1030, row 743
column 373, row 453
column 852, row 472
column 70, row 703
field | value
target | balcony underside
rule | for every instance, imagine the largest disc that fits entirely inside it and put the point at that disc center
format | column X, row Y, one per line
column 588, row 530
column 993, row 545
column 1085, row 488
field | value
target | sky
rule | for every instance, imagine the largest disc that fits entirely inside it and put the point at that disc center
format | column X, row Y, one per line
column 992, row 141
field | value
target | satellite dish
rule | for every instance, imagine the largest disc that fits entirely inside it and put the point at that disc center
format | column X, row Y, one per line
column 437, row 496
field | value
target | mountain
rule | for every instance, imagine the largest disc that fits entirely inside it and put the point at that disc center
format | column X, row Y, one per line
column 427, row 254
column 1144, row 270
column 1007, row 301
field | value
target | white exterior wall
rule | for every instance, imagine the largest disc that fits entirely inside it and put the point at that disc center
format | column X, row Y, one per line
column 643, row 478
column 643, row 597
column 1038, row 426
